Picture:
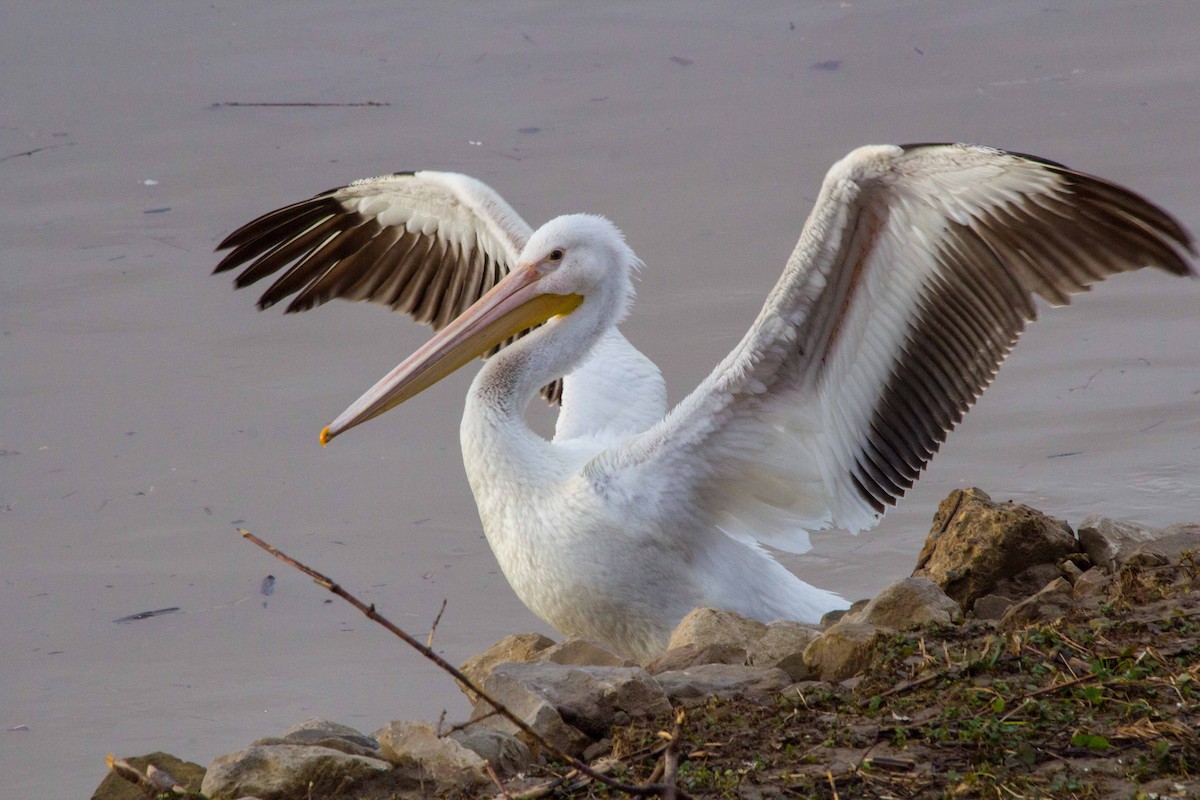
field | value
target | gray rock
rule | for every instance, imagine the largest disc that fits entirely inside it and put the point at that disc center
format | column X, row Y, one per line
column 278, row 772
column 1091, row 582
column 506, row 753
column 709, row 635
column 1112, row 543
column 581, row 652
column 532, row 709
column 422, row 758
column 991, row 606
column 517, row 647
column 1104, row 539
column 782, row 646
column 723, row 680
column 705, row 626
column 187, row 774
column 691, row 655
column 1070, row 570
column 1050, row 603
column 975, row 543
column 842, row 651
column 591, row 699
column 906, row 603
column 324, row 733
column 1028, row 581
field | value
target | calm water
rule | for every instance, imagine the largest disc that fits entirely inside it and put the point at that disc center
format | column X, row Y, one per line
column 145, row 409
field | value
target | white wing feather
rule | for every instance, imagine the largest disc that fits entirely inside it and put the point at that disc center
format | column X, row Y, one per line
column 912, row 279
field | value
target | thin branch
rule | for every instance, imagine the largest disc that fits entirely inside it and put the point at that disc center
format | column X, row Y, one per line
column 496, row 780
column 436, row 620
column 832, row 785
column 649, row 790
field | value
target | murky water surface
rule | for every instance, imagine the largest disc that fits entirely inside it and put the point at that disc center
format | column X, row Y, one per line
column 146, row 410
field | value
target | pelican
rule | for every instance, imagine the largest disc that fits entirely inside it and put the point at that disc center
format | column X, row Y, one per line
column 913, row 277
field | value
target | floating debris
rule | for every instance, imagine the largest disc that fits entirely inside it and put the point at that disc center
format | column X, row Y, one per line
column 147, row 615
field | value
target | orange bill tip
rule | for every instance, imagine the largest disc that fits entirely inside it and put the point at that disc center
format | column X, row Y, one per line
column 324, row 436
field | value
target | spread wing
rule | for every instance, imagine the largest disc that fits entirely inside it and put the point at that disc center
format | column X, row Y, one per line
column 913, row 277
column 428, row 244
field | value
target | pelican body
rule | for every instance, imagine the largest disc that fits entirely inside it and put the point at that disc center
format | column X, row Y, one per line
column 912, row 279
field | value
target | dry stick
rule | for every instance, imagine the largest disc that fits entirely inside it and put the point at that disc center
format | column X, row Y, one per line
column 496, row 780
column 671, row 759
column 832, row 785
column 436, row 620
column 369, row 611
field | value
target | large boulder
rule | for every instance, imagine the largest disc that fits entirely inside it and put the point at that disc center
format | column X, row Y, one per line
column 975, row 543
column 283, row 771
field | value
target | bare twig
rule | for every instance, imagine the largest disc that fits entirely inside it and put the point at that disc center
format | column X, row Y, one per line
column 496, row 780
column 832, row 785
column 647, row 790
column 436, row 620
column 671, row 758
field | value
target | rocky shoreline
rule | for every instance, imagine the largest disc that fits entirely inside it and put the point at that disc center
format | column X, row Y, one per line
column 1022, row 658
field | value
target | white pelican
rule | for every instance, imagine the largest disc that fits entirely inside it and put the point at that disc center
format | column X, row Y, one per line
column 913, row 277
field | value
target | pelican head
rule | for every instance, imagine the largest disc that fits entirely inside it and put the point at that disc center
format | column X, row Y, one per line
column 577, row 261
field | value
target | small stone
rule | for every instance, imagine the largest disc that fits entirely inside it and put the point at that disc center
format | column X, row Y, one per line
column 598, row 749
column 782, row 646
column 324, row 733
column 506, row 753
column 1091, row 582
column 843, row 651
column 991, row 606
column 581, row 652
column 691, row 655
column 1070, row 570
column 705, row 626
column 1027, row 582
column 1146, row 557
column 277, row 772
column 517, row 647
column 534, row 711
column 1050, row 603
column 723, row 680
column 589, row 698
column 906, row 603
column 423, row 759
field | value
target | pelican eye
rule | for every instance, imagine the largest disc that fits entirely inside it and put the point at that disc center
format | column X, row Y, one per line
column 556, row 255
